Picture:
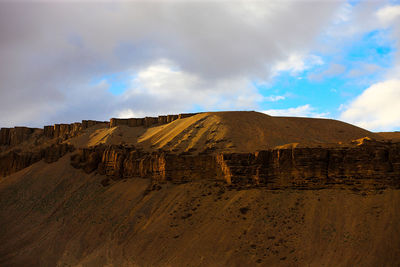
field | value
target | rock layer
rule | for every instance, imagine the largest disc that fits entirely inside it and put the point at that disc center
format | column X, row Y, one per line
column 126, row 162
column 66, row 131
column 148, row 121
column 16, row 160
column 376, row 164
column 16, row 135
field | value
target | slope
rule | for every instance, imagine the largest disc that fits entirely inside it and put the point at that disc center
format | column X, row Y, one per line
column 238, row 131
column 394, row 136
column 53, row 215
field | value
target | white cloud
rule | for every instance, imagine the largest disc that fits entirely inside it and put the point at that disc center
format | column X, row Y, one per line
column 274, row 98
column 300, row 111
column 297, row 63
column 164, row 88
column 128, row 113
column 377, row 108
column 388, row 14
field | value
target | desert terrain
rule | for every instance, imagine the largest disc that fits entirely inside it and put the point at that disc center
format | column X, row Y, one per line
column 207, row 189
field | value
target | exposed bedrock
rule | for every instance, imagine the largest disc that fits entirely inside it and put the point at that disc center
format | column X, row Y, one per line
column 16, row 160
column 148, row 121
column 65, row 131
column 123, row 162
column 367, row 165
column 16, row 135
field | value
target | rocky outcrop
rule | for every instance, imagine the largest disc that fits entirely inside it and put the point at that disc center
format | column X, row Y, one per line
column 364, row 165
column 367, row 165
column 148, row 121
column 65, row 131
column 16, row 159
column 16, row 135
column 124, row 162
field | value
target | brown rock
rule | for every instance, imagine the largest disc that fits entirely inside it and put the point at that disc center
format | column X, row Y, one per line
column 371, row 165
column 15, row 136
column 16, row 160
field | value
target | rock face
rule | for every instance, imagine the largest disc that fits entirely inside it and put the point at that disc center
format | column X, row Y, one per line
column 315, row 167
column 16, row 160
column 376, row 164
column 66, row 131
column 16, row 135
column 148, row 121
column 124, row 162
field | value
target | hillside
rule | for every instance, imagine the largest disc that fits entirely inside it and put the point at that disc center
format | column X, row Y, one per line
column 54, row 215
column 208, row 189
column 227, row 131
column 394, row 136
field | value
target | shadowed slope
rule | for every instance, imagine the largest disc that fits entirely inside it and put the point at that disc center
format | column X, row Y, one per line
column 53, row 215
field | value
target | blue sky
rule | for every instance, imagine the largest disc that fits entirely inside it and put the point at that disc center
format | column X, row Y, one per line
column 327, row 91
column 72, row 61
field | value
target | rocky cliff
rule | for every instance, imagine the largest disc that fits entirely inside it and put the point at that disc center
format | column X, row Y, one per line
column 374, row 164
column 15, row 160
column 369, row 164
column 21, row 147
column 148, row 121
column 66, row 131
column 16, row 135
column 364, row 162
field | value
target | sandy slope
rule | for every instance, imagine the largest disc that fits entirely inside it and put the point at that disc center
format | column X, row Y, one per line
column 53, row 215
column 227, row 131
column 394, row 136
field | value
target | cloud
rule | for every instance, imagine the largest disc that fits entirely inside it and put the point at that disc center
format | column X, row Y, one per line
column 274, row 98
column 296, row 64
column 388, row 14
column 163, row 87
column 50, row 53
column 300, row 111
column 377, row 108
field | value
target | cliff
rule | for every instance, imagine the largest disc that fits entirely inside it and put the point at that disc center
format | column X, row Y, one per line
column 205, row 146
column 65, row 131
column 16, row 135
column 148, row 121
column 15, row 160
column 372, row 164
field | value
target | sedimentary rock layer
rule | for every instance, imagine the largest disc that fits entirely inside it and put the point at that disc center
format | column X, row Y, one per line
column 16, row 160
column 16, row 135
column 65, row 131
column 148, row 121
column 124, row 162
column 376, row 164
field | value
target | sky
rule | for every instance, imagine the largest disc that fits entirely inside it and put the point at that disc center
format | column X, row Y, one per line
column 65, row 61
